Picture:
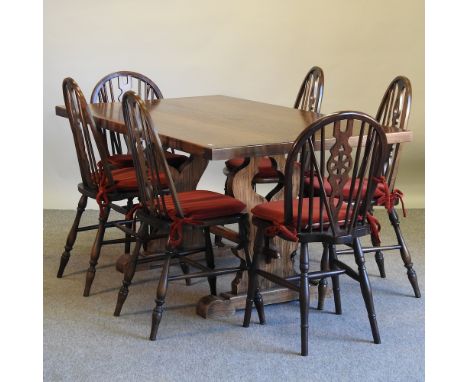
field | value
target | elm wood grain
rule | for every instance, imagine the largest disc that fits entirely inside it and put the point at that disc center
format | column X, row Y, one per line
column 220, row 127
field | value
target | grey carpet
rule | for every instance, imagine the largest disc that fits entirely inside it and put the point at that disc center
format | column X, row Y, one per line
column 84, row 342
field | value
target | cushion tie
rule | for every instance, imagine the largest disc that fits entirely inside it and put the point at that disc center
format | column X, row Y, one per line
column 175, row 230
column 374, row 227
column 288, row 233
column 101, row 196
column 388, row 198
column 131, row 212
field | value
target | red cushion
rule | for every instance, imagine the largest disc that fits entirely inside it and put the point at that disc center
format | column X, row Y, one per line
column 234, row 163
column 125, row 179
column 125, row 160
column 201, row 205
column 121, row 160
column 265, row 167
column 274, row 211
column 379, row 191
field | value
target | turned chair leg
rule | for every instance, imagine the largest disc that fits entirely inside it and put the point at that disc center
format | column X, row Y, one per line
column 323, row 284
column 160, row 298
column 130, row 271
column 96, row 251
column 366, row 289
column 404, row 252
column 335, row 279
column 72, row 235
column 209, row 256
column 253, row 294
column 304, row 298
column 185, row 270
column 128, row 225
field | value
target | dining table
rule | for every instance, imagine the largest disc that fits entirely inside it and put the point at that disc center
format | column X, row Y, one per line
column 218, row 127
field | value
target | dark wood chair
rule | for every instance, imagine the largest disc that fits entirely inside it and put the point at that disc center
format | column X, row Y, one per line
column 100, row 180
column 111, row 88
column 309, row 215
column 172, row 211
column 393, row 112
column 308, row 98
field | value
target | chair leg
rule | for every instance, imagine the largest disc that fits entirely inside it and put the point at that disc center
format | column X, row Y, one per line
column 96, row 251
column 335, row 279
column 218, row 240
column 304, row 298
column 72, row 235
column 379, row 259
column 130, row 271
column 185, row 270
column 129, row 225
column 252, row 292
column 404, row 252
column 366, row 289
column 160, row 298
column 209, row 256
column 323, row 284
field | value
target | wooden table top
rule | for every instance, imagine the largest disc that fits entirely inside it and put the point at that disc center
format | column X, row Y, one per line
column 220, row 127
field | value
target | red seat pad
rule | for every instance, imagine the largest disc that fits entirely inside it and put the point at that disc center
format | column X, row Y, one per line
column 125, row 160
column 175, row 160
column 121, row 160
column 125, row 179
column 379, row 190
column 201, row 205
column 274, row 211
column 265, row 167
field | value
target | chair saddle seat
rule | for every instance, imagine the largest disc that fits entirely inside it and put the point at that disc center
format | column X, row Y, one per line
column 204, row 205
column 274, row 212
column 379, row 190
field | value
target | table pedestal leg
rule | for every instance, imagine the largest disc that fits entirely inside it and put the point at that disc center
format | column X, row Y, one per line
column 227, row 303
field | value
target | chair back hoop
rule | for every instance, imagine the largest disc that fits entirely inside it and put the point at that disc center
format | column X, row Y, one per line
column 354, row 160
column 89, row 144
column 310, row 93
column 394, row 111
column 111, row 89
column 148, row 158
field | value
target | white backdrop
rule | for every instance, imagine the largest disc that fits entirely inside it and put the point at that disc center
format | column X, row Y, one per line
column 257, row 50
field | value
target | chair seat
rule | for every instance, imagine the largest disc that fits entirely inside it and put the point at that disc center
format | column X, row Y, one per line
column 125, row 160
column 125, row 179
column 379, row 190
column 204, row 205
column 274, row 212
column 265, row 167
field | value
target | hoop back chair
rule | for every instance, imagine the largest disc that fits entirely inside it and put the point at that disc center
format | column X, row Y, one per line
column 314, row 215
column 309, row 98
column 393, row 112
column 99, row 180
column 173, row 210
column 111, row 88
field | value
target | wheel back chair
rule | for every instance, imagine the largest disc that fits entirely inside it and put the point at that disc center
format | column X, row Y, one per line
column 197, row 209
column 111, row 88
column 312, row 215
column 393, row 112
column 100, row 179
column 308, row 98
